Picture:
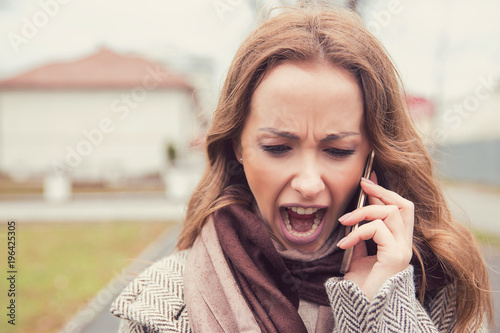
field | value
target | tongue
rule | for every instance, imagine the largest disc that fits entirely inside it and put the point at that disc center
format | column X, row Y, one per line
column 301, row 225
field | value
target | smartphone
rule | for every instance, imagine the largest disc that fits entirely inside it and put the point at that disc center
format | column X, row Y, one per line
column 346, row 261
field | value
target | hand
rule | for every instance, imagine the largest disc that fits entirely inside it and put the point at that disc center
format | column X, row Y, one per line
column 390, row 225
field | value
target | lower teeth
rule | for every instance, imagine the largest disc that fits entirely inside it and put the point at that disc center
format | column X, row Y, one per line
column 317, row 221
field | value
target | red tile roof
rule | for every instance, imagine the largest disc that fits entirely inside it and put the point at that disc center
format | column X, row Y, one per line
column 420, row 106
column 102, row 70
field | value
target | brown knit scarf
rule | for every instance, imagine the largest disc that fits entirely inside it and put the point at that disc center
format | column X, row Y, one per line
column 272, row 285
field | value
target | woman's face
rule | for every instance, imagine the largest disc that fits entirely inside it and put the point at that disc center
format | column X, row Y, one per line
column 304, row 147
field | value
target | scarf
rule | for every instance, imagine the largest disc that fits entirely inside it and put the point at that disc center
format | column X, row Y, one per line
column 271, row 285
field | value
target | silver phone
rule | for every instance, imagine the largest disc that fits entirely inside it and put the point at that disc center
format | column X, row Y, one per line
column 346, row 261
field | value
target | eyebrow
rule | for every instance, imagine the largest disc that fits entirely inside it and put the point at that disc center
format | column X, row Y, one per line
column 337, row 136
column 277, row 132
column 288, row 135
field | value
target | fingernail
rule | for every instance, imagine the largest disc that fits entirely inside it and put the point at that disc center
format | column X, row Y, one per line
column 344, row 217
column 367, row 180
column 341, row 241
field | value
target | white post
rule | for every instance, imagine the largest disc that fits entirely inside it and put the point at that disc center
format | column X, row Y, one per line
column 56, row 188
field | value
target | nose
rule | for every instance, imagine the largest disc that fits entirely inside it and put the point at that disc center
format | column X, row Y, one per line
column 308, row 181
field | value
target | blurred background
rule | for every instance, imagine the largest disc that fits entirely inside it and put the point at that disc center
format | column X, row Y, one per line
column 103, row 110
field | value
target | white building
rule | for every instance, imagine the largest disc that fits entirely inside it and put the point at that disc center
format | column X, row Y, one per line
column 101, row 117
column 464, row 134
column 470, row 128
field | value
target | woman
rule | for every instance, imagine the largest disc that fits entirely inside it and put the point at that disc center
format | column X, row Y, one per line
column 309, row 94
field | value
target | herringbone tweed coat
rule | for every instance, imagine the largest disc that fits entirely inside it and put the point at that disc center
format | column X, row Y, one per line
column 154, row 302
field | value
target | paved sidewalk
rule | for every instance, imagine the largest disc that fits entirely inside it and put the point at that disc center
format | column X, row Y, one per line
column 111, row 208
column 475, row 206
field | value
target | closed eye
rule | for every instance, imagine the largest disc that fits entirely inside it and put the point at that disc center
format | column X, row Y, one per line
column 276, row 149
column 339, row 153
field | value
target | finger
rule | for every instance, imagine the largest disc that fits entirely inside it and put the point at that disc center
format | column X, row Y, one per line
column 373, row 200
column 389, row 214
column 388, row 197
column 375, row 230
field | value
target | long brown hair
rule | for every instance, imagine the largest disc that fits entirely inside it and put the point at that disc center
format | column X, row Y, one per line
column 403, row 164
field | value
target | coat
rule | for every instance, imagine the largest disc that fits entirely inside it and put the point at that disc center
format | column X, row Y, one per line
column 154, row 302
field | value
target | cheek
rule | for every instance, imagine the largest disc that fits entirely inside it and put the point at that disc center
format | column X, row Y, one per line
column 343, row 183
column 266, row 180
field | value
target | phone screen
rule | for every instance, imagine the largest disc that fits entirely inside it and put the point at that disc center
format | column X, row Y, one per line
column 346, row 261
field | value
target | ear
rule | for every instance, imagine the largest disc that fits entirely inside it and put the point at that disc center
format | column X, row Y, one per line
column 237, row 150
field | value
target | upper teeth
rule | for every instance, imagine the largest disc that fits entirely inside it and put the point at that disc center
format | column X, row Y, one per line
column 304, row 211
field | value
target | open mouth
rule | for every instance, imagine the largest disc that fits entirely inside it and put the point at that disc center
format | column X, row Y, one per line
column 302, row 225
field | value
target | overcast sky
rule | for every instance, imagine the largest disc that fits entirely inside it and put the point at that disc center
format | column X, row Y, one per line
column 438, row 45
column 155, row 28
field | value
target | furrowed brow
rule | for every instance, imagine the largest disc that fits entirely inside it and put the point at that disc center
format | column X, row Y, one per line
column 277, row 132
column 338, row 136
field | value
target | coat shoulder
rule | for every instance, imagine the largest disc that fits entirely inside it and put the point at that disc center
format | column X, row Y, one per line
column 155, row 299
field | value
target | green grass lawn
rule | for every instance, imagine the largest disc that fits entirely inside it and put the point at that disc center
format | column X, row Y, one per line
column 61, row 266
